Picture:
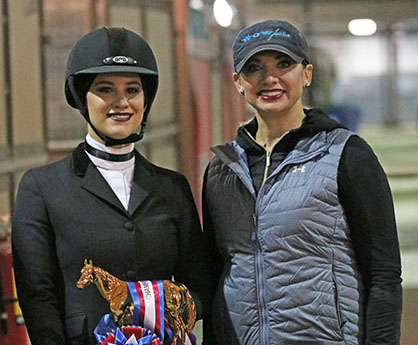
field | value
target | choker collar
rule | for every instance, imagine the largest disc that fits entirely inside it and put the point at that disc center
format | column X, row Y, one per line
column 108, row 156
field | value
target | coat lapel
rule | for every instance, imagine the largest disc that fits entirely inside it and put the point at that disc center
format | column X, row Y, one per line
column 142, row 184
column 92, row 180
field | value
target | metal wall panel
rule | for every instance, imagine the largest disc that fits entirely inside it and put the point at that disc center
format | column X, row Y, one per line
column 64, row 22
column 3, row 86
column 127, row 14
column 22, row 143
column 160, row 38
column 25, row 69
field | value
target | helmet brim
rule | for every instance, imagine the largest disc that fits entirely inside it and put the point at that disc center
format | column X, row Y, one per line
column 117, row 68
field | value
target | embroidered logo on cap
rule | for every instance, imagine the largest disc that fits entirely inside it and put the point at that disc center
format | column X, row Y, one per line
column 270, row 33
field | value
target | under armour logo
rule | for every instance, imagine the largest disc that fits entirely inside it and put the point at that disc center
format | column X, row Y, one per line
column 301, row 169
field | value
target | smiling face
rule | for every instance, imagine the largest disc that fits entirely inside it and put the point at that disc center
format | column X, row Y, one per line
column 273, row 83
column 115, row 102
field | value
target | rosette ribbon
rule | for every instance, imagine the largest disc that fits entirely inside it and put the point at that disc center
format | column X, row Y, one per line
column 138, row 336
column 149, row 326
column 147, row 318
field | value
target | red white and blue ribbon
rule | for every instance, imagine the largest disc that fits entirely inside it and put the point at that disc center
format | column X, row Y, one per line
column 148, row 326
column 148, row 298
column 107, row 333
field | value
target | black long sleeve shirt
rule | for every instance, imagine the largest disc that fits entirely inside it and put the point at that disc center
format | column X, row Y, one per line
column 365, row 195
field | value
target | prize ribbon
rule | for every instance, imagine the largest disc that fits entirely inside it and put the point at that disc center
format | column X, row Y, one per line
column 148, row 321
column 148, row 298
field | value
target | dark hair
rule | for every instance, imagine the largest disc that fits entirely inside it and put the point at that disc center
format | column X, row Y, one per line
column 82, row 83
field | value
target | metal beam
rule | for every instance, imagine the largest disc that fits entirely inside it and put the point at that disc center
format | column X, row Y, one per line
column 184, row 111
column 7, row 77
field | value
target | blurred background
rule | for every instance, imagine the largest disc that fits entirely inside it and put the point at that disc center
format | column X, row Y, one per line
column 365, row 56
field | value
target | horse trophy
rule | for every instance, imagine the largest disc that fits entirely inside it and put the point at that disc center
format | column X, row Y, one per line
column 177, row 298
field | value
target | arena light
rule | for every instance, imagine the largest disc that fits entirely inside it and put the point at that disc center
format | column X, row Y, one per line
column 196, row 4
column 223, row 13
column 362, row 27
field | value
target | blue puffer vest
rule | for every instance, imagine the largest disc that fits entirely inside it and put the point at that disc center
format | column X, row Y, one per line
column 290, row 275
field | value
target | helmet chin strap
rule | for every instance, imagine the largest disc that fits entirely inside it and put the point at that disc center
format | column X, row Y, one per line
column 108, row 141
column 130, row 139
column 134, row 137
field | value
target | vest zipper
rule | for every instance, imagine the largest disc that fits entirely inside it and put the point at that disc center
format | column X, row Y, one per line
column 268, row 152
column 268, row 162
column 259, row 275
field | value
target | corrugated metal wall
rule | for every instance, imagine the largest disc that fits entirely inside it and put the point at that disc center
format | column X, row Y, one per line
column 22, row 128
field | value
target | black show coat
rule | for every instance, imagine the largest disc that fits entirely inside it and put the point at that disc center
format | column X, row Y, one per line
column 66, row 212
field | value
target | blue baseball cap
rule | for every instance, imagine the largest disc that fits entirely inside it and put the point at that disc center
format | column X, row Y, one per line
column 274, row 35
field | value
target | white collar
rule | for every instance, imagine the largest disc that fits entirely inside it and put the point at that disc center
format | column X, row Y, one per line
column 108, row 165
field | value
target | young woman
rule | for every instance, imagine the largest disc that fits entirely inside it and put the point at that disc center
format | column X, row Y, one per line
column 300, row 213
column 104, row 203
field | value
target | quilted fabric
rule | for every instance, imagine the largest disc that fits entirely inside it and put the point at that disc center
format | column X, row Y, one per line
column 290, row 274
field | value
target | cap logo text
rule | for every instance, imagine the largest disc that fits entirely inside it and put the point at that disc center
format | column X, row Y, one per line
column 270, row 33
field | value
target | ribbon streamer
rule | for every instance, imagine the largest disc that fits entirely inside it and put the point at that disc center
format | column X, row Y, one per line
column 149, row 325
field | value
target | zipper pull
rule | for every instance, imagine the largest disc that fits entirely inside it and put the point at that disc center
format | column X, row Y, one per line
column 254, row 219
column 266, row 168
column 268, row 159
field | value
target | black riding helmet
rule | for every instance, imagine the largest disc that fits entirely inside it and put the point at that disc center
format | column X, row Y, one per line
column 109, row 50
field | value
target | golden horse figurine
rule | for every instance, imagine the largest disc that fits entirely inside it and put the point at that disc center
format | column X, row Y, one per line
column 177, row 298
